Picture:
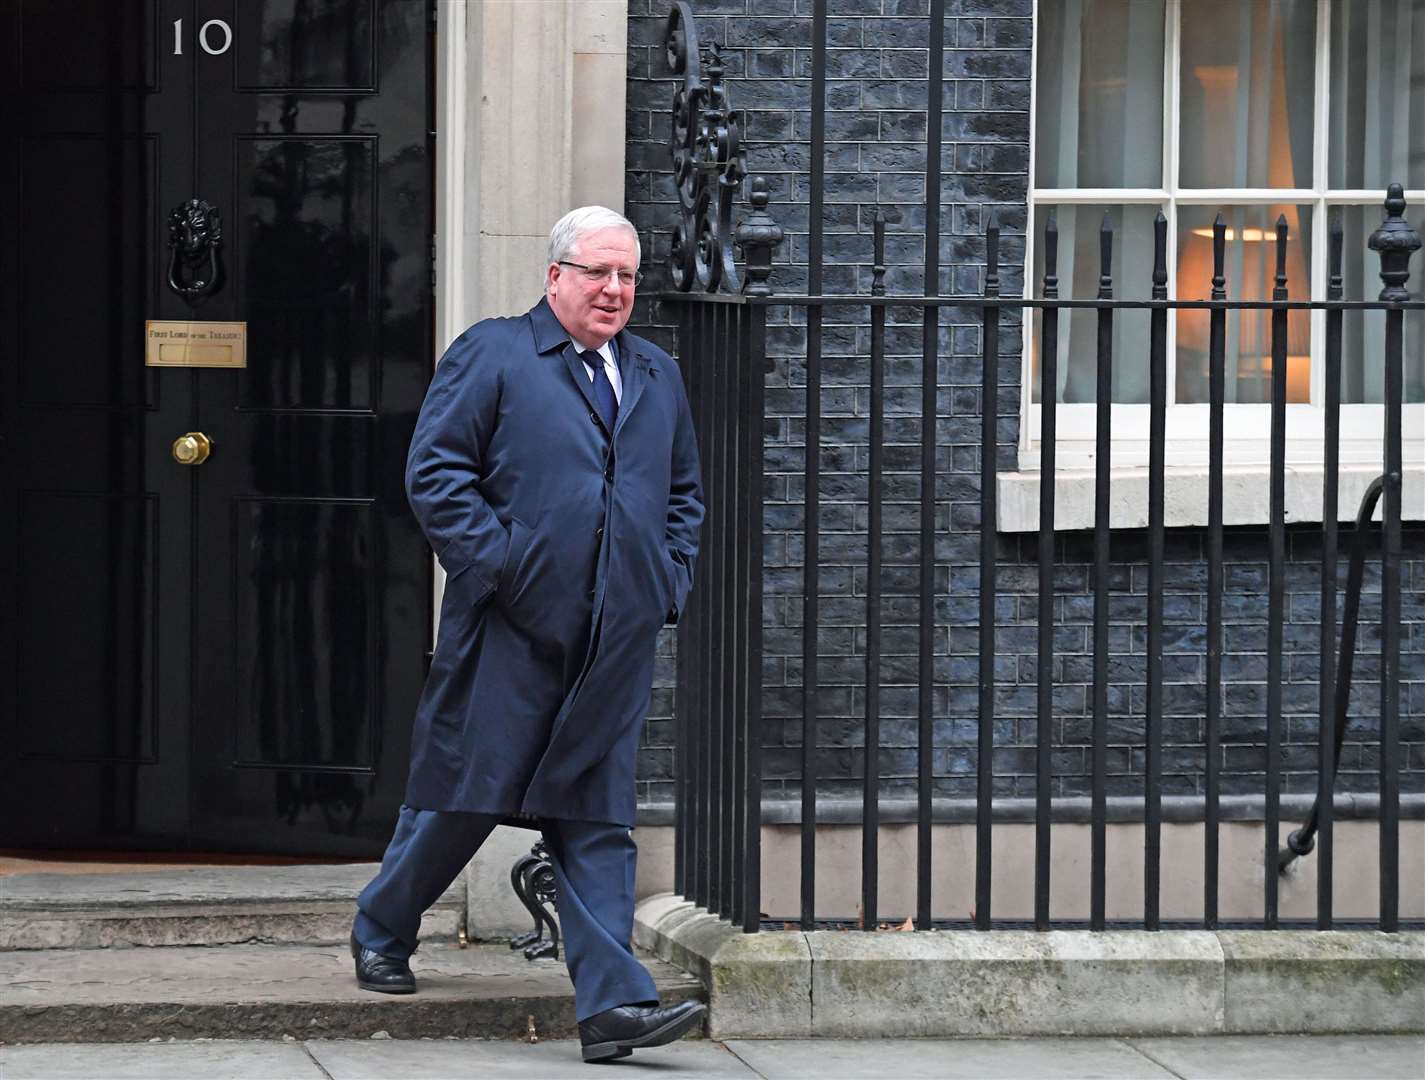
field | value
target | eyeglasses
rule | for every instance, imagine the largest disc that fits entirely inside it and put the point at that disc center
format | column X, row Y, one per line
column 600, row 274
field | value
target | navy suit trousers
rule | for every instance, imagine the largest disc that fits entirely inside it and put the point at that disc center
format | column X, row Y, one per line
column 594, row 864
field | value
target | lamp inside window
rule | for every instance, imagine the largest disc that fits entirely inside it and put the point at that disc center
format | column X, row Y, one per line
column 1251, row 255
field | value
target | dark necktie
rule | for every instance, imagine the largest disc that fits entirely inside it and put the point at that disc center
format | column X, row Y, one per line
column 604, row 396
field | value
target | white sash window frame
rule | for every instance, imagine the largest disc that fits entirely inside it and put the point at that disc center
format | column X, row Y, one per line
column 1247, row 446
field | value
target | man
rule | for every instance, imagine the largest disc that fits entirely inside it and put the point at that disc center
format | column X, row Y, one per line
column 555, row 473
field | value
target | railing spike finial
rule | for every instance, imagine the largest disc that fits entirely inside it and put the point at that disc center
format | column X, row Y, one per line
column 1105, row 257
column 1335, row 243
column 1051, row 256
column 1160, row 256
column 758, row 235
column 992, row 254
column 1279, row 293
column 879, row 218
column 1395, row 241
column 1219, row 258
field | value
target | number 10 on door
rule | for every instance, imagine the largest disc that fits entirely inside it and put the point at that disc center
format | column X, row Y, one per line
column 212, row 28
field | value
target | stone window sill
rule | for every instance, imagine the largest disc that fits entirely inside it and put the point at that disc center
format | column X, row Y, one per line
column 1245, row 496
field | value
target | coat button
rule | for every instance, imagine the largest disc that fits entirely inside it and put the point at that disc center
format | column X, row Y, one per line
column 594, row 417
column 599, row 533
column 591, row 594
column 609, row 474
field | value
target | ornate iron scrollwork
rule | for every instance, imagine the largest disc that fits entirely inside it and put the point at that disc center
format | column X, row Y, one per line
column 708, row 161
column 532, row 878
column 195, row 232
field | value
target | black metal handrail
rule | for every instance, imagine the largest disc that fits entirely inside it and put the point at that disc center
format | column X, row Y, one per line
column 1303, row 840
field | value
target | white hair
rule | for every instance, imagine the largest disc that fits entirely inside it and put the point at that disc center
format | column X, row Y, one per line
column 577, row 224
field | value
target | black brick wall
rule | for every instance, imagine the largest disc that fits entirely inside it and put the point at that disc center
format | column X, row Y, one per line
column 876, row 136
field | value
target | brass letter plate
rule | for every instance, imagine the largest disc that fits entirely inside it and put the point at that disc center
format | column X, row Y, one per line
column 171, row 343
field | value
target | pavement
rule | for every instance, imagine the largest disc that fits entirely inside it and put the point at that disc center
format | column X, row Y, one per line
column 129, row 995
column 1246, row 1057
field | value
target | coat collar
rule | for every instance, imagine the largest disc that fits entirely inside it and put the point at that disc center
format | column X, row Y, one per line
column 635, row 365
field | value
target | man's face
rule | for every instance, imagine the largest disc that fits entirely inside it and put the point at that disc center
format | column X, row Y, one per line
column 594, row 311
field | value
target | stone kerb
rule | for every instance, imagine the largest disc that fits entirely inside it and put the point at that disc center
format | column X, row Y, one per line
column 1024, row 983
column 758, row 985
column 1327, row 981
column 1015, row 983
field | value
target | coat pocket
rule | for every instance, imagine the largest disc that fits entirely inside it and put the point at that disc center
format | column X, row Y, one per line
column 464, row 597
column 509, row 585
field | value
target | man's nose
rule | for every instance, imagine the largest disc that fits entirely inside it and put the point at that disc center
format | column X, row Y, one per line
column 612, row 286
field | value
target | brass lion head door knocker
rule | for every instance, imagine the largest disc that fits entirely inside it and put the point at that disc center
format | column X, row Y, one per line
column 195, row 232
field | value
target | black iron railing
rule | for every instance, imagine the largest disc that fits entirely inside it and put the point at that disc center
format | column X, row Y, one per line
column 723, row 351
column 719, row 772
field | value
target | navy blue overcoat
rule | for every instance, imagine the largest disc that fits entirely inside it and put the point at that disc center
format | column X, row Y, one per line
column 566, row 547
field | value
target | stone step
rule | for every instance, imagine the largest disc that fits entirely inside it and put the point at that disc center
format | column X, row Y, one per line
column 302, row 991
column 307, row 905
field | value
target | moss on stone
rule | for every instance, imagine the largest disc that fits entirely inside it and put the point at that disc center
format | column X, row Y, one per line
column 1397, row 978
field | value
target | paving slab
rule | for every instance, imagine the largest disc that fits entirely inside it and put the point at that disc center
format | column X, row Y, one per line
column 208, row 905
column 1301, row 1057
column 944, row 1059
column 559, row 1059
column 235, row 991
column 1216, row 1057
column 218, row 1060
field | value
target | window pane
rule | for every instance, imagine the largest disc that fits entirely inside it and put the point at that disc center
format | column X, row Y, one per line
column 1377, row 93
column 1363, row 332
column 1078, row 279
column 1250, row 268
column 1099, row 111
column 1248, row 76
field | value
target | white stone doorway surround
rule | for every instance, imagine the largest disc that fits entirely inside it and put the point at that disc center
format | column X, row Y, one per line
column 530, row 118
column 530, row 123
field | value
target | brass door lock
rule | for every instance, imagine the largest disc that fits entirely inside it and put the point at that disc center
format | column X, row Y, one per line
column 192, row 448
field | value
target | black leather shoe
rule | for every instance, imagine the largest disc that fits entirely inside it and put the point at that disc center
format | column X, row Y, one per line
column 616, row 1033
column 384, row 974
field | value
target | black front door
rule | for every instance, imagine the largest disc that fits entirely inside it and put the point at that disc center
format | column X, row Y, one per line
column 223, row 655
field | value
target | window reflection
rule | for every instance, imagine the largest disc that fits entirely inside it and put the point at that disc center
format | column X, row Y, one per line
column 307, row 235
column 304, row 43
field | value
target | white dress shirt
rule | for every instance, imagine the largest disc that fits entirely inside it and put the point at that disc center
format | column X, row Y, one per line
column 606, row 350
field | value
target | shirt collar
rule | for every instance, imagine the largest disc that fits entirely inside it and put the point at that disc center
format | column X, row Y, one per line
column 607, row 350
